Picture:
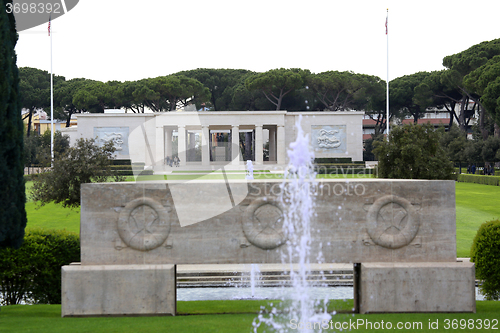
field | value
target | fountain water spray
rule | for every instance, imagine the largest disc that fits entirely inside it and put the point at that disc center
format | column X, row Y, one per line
column 249, row 174
column 297, row 195
column 254, row 278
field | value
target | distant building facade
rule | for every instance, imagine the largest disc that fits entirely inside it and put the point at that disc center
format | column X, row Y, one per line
column 226, row 137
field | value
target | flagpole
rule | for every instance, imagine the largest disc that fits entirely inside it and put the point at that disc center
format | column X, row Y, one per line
column 51, row 103
column 387, row 83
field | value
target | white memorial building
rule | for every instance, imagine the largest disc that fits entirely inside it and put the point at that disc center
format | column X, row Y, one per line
column 204, row 139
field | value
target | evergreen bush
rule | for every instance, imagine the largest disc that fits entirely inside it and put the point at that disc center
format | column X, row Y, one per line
column 413, row 152
column 12, row 194
column 32, row 273
column 84, row 162
column 485, row 253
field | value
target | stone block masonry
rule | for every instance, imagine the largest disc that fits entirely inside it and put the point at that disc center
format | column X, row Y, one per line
column 130, row 230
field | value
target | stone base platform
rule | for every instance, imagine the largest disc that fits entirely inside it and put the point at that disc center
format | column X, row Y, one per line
column 415, row 287
column 118, row 290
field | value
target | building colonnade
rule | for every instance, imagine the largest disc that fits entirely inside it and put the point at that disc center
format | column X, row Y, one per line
column 207, row 138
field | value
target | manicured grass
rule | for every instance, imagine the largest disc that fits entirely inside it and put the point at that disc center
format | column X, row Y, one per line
column 475, row 204
column 237, row 175
column 221, row 316
column 51, row 216
column 216, row 171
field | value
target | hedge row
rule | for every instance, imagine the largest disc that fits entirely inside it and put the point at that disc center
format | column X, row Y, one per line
column 338, row 170
column 343, row 165
column 121, row 162
column 32, row 273
column 131, row 173
column 119, row 172
column 321, row 160
column 479, row 179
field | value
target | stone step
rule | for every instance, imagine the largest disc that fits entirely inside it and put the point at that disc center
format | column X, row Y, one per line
column 267, row 278
column 261, row 284
column 262, row 277
column 261, row 273
column 270, row 275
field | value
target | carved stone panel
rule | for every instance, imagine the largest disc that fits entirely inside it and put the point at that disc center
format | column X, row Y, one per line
column 119, row 136
column 355, row 220
column 329, row 138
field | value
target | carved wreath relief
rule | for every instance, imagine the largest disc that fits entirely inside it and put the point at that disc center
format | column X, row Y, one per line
column 263, row 224
column 392, row 222
column 144, row 224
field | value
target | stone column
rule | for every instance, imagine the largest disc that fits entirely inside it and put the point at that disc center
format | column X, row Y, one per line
column 259, row 149
column 280, row 146
column 181, row 148
column 168, row 142
column 159, row 158
column 205, row 145
column 272, row 143
column 235, row 145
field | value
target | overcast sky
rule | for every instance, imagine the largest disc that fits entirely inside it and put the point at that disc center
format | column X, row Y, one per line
column 130, row 40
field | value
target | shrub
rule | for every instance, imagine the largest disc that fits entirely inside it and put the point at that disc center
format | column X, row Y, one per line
column 85, row 162
column 485, row 253
column 32, row 273
column 413, row 152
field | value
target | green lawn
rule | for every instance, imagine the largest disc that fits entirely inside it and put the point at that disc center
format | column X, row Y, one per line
column 475, row 204
column 51, row 216
column 226, row 316
column 218, row 175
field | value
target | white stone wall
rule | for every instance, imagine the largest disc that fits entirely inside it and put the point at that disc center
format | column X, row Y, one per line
column 351, row 121
column 148, row 134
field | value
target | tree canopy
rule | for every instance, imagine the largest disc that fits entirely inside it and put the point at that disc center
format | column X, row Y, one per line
column 64, row 94
column 406, row 95
column 95, row 96
column 469, row 86
column 220, row 83
column 35, row 90
column 342, row 91
column 465, row 70
column 485, row 82
column 277, row 83
column 37, row 148
column 166, row 93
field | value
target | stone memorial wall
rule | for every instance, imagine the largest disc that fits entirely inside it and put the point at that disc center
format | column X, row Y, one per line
column 130, row 230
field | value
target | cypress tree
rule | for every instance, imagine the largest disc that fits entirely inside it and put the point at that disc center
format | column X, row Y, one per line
column 12, row 195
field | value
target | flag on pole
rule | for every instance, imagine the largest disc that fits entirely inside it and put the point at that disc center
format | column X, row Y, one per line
column 386, row 21
column 49, row 24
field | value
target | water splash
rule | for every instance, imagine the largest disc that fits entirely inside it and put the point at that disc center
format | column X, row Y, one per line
column 254, row 278
column 298, row 197
column 249, row 174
